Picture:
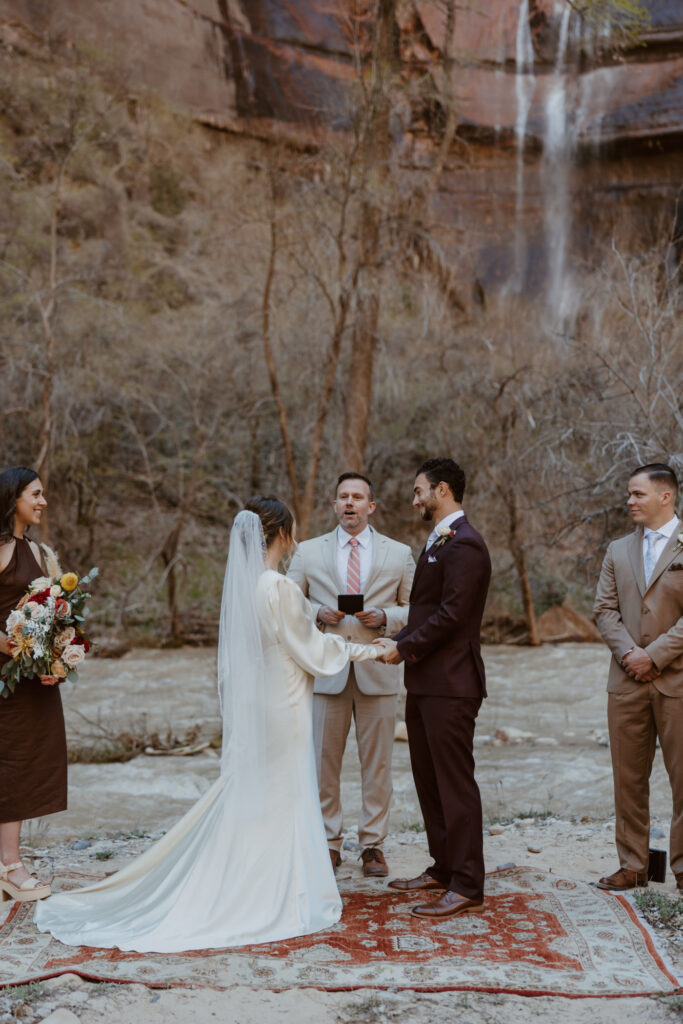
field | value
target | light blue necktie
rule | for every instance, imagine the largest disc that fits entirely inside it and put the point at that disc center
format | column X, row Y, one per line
column 650, row 561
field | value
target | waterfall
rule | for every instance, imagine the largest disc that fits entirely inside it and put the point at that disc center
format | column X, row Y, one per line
column 524, row 90
column 558, row 147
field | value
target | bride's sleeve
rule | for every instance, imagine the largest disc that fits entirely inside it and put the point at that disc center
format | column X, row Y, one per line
column 319, row 654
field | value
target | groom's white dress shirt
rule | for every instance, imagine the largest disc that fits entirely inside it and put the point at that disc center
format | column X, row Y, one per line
column 446, row 521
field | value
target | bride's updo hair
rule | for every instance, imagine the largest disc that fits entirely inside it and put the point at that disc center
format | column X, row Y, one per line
column 274, row 516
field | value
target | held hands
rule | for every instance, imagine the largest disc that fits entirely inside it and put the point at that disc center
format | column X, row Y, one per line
column 389, row 652
column 640, row 665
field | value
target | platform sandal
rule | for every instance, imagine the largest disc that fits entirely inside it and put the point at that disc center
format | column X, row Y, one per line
column 31, row 889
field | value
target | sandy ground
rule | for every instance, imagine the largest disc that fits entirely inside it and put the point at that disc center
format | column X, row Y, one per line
column 544, row 770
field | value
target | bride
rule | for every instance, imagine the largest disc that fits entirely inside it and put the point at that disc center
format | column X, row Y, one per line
column 249, row 862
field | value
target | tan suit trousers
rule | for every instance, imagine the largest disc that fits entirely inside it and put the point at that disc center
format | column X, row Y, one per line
column 374, row 718
column 636, row 719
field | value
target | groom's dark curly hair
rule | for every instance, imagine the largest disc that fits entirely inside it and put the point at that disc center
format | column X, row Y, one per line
column 447, row 470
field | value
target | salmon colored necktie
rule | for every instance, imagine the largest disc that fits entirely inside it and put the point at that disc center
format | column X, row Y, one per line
column 353, row 568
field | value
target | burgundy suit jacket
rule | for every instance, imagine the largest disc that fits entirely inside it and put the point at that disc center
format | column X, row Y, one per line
column 441, row 643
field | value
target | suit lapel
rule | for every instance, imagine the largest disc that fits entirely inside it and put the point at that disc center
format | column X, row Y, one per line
column 424, row 554
column 331, row 560
column 665, row 559
column 380, row 550
column 421, row 562
column 635, row 554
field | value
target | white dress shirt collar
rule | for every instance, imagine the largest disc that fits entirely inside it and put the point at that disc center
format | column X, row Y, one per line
column 664, row 531
column 364, row 538
column 446, row 521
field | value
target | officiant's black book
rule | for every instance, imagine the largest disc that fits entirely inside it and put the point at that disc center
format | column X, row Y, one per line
column 350, row 603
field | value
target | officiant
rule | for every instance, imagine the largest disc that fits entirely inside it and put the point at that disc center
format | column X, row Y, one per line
column 377, row 572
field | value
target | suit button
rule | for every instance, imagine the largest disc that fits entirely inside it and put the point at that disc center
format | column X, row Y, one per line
column 644, row 611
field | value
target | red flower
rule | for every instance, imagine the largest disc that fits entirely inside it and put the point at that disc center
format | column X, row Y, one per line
column 86, row 646
column 41, row 597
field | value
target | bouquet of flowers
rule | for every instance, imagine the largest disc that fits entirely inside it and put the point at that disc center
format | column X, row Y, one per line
column 46, row 632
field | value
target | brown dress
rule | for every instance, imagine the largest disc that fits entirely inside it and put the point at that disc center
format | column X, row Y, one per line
column 32, row 735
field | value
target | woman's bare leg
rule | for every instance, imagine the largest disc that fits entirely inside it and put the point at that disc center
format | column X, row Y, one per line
column 9, row 850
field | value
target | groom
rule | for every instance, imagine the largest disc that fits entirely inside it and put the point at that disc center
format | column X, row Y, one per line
column 444, row 677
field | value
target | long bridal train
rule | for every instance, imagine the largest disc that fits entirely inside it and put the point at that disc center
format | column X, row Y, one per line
column 249, row 862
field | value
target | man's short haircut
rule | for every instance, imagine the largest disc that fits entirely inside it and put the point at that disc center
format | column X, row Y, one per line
column 355, row 476
column 447, row 470
column 661, row 474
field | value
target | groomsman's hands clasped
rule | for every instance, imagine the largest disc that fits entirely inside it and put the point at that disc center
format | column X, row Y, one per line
column 640, row 665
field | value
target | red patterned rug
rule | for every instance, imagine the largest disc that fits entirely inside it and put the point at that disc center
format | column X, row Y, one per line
column 540, row 935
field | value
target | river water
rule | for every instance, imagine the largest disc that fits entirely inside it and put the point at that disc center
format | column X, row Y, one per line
column 555, row 694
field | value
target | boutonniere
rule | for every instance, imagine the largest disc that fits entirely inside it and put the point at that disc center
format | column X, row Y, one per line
column 445, row 533
column 679, row 543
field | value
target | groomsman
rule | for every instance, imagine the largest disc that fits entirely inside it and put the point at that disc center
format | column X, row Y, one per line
column 639, row 611
column 356, row 559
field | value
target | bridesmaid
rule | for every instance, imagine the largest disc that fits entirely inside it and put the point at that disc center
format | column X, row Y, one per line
column 32, row 735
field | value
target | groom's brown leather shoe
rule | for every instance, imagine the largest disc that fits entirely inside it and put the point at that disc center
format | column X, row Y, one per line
column 622, row 880
column 423, row 881
column 679, row 881
column 451, row 904
column 335, row 857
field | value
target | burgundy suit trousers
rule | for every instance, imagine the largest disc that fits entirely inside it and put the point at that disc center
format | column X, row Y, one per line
column 441, row 735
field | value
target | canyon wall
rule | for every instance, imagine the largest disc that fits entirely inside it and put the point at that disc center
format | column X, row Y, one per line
column 566, row 145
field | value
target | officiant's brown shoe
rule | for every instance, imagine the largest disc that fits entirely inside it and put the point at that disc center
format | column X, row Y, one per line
column 374, row 864
column 679, row 881
column 335, row 857
column 423, row 881
column 451, row 904
column 622, row 880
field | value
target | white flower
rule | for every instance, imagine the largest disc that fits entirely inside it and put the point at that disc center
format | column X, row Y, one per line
column 42, row 583
column 444, row 530
column 73, row 655
column 37, row 611
column 56, row 591
column 14, row 619
column 680, row 538
column 64, row 638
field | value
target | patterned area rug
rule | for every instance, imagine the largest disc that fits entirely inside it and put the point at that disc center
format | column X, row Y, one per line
column 539, row 935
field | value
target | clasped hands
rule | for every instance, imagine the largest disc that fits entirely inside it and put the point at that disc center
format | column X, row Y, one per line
column 389, row 651
column 640, row 665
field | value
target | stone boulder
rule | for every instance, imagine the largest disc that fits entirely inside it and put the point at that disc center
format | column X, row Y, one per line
column 563, row 624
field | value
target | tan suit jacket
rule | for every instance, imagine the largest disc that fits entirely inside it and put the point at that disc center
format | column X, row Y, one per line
column 314, row 568
column 629, row 614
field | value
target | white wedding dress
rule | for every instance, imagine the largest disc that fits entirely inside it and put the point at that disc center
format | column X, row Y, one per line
column 229, row 872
